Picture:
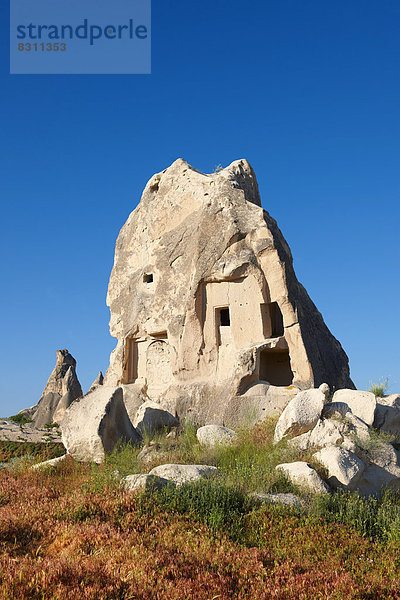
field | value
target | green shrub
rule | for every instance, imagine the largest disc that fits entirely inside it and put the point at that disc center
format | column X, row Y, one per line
column 41, row 451
column 20, row 418
column 210, row 501
column 375, row 439
column 250, row 463
column 371, row 517
column 51, row 425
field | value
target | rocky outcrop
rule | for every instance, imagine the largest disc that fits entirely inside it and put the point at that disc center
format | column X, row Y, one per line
column 352, row 438
column 61, row 389
column 205, row 303
column 94, row 425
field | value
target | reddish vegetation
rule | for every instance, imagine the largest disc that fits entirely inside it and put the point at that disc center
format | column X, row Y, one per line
column 59, row 540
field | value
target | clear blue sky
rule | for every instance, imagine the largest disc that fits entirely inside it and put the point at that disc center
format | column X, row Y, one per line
column 308, row 92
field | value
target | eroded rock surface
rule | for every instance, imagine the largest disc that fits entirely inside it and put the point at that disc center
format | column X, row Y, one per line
column 93, row 425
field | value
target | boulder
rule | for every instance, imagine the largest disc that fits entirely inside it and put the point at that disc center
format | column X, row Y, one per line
column 387, row 416
column 180, row 474
column 94, row 425
column 151, row 417
column 382, row 469
column 48, row 464
column 134, row 397
column 301, row 414
column 216, row 435
column 325, row 433
column 203, row 294
column 61, row 389
column 362, row 404
column 304, row 476
column 343, row 467
column 348, row 424
column 144, row 482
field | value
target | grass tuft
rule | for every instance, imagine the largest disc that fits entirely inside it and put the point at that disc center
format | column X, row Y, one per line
column 379, row 388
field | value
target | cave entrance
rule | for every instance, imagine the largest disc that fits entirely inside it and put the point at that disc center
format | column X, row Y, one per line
column 275, row 367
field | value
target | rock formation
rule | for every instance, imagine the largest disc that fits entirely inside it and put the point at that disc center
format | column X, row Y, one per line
column 96, row 423
column 206, row 306
column 61, row 389
column 350, row 438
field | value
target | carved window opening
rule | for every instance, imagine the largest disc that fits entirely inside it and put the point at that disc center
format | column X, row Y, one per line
column 223, row 324
column 272, row 320
column 225, row 317
column 160, row 335
column 275, row 368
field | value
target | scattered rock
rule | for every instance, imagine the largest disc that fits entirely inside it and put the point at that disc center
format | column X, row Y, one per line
column 303, row 475
column 344, row 468
column 93, row 425
column 151, row 417
column 146, row 481
column 216, row 435
column 13, row 432
column 301, row 414
column 180, row 474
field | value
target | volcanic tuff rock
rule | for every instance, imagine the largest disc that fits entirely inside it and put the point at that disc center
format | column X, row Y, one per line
column 98, row 381
column 96, row 423
column 61, row 389
column 205, row 303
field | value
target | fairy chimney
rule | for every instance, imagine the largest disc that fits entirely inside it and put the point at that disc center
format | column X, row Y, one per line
column 204, row 299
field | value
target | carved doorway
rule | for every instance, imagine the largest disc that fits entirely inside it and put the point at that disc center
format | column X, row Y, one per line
column 159, row 376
